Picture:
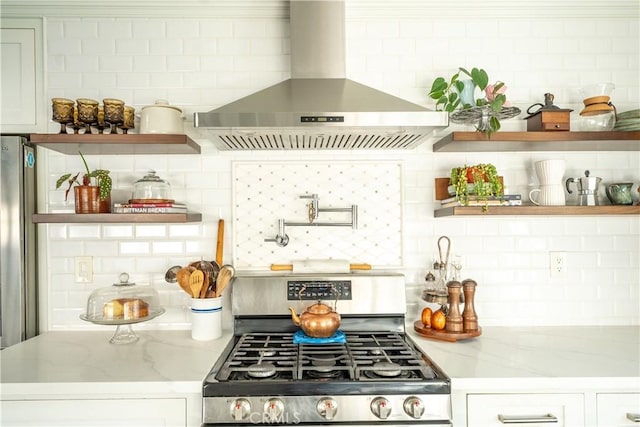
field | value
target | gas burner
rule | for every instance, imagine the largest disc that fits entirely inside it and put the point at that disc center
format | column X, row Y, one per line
column 261, row 370
column 322, row 374
column 386, row 369
column 375, row 352
column 323, row 363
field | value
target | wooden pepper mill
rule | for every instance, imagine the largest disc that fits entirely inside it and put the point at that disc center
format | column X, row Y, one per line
column 469, row 317
column 454, row 319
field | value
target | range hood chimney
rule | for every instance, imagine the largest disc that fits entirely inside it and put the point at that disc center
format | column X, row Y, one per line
column 319, row 108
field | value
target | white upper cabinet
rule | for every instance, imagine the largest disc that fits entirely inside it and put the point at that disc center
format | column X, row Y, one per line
column 22, row 92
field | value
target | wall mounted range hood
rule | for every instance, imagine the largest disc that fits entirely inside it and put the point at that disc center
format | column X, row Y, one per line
column 318, row 108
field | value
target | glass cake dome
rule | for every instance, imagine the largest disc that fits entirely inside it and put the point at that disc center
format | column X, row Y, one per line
column 123, row 304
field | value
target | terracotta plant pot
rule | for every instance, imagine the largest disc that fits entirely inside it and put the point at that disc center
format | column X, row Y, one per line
column 87, row 200
column 471, row 172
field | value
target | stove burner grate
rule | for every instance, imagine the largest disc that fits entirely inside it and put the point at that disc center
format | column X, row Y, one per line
column 383, row 356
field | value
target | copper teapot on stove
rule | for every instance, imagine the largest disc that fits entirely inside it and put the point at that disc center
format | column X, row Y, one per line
column 318, row 320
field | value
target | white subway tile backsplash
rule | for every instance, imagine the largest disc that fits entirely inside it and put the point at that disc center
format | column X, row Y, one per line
column 133, row 248
column 151, row 230
column 184, row 230
column 183, row 63
column 132, row 47
column 149, row 63
column 155, row 266
column 81, row 29
column 215, row 28
column 200, row 64
column 165, row 47
column 118, row 264
column 178, row 29
column 117, row 231
column 84, row 231
column 81, row 64
column 233, row 47
column 148, row 28
column 116, row 64
column 98, row 46
column 165, row 248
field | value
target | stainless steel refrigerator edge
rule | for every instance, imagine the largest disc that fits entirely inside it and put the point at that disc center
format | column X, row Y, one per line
column 18, row 252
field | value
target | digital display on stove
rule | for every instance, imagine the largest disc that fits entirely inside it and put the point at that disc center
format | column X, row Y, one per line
column 318, row 289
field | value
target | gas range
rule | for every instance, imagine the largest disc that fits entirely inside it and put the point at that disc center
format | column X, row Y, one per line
column 373, row 375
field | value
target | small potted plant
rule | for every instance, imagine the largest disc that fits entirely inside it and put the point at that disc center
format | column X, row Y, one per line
column 481, row 180
column 457, row 97
column 89, row 198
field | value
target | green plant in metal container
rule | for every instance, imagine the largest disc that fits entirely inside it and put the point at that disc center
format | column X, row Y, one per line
column 448, row 94
column 100, row 177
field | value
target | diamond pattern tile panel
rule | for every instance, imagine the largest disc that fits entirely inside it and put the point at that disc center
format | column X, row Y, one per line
column 265, row 192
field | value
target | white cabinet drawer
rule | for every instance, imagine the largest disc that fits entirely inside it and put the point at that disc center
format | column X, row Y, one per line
column 613, row 409
column 527, row 409
column 94, row 412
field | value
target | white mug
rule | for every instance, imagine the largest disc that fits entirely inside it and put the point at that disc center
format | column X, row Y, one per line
column 548, row 195
column 550, row 172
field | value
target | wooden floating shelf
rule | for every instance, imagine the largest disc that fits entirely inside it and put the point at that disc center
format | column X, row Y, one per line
column 538, row 210
column 115, row 218
column 116, row 144
column 539, row 141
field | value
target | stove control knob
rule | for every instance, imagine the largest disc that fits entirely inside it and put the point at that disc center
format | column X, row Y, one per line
column 381, row 408
column 414, row 407
column 273, row 409
column 240, row 409
column 327, row 408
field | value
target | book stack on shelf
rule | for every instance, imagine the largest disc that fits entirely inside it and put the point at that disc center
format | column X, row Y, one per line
column 149, row 208
column 504, row 200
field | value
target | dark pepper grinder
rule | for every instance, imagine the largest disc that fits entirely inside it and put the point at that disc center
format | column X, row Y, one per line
column 454, row 319
column 469, row 317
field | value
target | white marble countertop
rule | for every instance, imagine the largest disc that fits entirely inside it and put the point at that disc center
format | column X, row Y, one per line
column 505, row 358
column 501, row 358
column 75, row 362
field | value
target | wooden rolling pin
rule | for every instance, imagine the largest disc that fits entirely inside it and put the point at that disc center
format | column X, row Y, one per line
column 219, row 243
column 289, row 267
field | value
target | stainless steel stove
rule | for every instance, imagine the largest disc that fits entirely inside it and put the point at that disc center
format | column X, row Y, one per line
column 374, row 375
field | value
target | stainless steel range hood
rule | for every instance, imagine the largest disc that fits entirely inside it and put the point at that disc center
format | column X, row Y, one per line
column 318, row 108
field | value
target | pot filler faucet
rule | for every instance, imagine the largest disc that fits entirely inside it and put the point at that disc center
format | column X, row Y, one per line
column 282, row 239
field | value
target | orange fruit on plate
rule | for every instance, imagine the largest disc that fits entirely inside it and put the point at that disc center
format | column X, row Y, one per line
column 438, row 320
column 426, row 317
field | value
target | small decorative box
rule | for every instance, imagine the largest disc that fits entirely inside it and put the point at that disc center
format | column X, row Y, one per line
column 549, row 120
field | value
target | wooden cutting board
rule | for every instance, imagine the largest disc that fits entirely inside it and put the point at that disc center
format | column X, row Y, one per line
column 320, row 266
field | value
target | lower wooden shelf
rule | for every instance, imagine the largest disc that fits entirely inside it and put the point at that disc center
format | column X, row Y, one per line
column 538, row 210
column 43, row 218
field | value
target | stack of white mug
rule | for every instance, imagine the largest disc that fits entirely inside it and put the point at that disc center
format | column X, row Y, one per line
column 551, row 192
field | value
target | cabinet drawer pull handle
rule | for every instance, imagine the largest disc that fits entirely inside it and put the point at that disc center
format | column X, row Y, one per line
column 521, row 419
column 635, row 417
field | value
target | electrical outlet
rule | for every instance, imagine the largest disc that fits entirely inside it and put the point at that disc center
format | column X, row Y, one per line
column 84, row 269
column 558, row 264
